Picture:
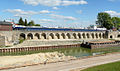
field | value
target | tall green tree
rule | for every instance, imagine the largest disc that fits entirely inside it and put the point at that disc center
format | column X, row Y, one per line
column 21, row 22
column 104, row 20
column 26, row 22
column 31, row 23
column 116, row 22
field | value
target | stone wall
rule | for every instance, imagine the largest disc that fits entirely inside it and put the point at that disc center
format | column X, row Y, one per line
column 46, row 35
column 2, row 41
column 15, row 35
column 8, row 36
column 101, row 45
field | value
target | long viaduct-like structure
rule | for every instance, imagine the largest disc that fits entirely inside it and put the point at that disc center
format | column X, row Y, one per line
column 10, row 36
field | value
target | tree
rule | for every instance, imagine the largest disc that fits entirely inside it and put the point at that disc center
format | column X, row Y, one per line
column 104, row 20
column 37, row 24
column 26, row 22
column 116, row 22
column 21, row 22
column 31, row 23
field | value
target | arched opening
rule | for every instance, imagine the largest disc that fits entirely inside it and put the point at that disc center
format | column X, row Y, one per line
column 92, row 35
column 22, row 36
column 118, row 36
column 37, row 35
column 103, row 35
column 63, row 35
column 111, row 37
column 83, row 35
column 96, row 35
column 43, row 35
column 51, row 35
column 30, row 36
column 68, row 35
column 100, row 35
column 79, row 35
column 88, row 36
column 57, row 35
column 74, row 35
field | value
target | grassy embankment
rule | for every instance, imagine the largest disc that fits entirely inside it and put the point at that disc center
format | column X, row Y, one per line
column 105, row 67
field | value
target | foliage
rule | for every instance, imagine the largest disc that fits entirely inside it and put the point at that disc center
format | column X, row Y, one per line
column 116, row 22
column 21, row 22
column 105, row 67
column 31, row 23
column 21, row 40
column 25, row 22
column 37, row 25
column 104, row 20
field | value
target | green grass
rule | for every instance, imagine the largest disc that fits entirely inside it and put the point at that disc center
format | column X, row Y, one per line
column 21, row 40
column 105, row 67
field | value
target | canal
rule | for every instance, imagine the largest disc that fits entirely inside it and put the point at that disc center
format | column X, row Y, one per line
column 75, row 51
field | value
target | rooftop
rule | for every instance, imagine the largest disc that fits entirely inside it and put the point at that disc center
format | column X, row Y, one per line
column 5, row 23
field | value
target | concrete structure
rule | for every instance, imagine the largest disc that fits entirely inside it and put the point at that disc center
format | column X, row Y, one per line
column 11, row 37
column 103, row 44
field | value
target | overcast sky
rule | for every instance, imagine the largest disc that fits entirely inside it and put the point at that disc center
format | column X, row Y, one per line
column 54, row 13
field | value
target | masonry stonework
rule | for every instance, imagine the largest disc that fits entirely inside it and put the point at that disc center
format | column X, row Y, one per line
column 15, row 35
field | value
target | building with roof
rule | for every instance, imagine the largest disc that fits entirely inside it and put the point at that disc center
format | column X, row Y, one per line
column 5, row 26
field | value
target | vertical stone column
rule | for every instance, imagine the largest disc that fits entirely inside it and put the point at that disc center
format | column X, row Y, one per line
column 34, row 37
column 72, row 37
column 61, row 36
column 90, row 36
column 40, row 35
column 55, row 37
column 81, row 36
column 95, row 36
column 47, row 35
column 77, row 36
column 98, row 36
column 66, row 37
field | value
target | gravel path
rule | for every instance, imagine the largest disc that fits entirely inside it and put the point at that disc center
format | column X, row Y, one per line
column 74, row 64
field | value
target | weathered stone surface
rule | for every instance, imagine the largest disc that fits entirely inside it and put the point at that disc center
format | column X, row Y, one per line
column 8, row 61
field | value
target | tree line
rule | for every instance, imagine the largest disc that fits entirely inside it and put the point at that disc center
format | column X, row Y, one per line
column 25, row 23
column 104, row 20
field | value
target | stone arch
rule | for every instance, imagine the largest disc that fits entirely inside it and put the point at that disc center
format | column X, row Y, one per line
column 74, row 35
column 43, row 36
column 79, row 35
column 51, row 36
column 68, row 35
column 118, row 36
column 103, row 35
column 88, row 36
column 83, row 35
column 37, row 36
column 93, row 35
column 63, row 35
column 111, row 36
column 100, row 36
column 96, row 35
column 30, row 36
column 22, row 36
column 57, row 35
